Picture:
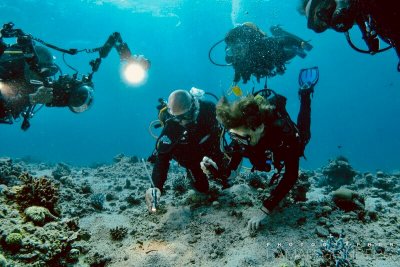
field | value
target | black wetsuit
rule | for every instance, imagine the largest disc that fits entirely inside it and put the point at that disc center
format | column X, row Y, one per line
column 285, row 141
column 188, row 145
column 251, row 52
column 15, row 89
column 385, row 16
column 15, row 72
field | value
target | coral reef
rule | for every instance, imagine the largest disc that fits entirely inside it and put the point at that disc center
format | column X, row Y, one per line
column 39, row 215
column 97, row 201
column 348, row 200
column 131, row 199
column 338, row 172
column 192, row 229
column 121, row 158
column 9, row 172
column 37, row 192
column 14, row 241
column 61, row 170
column 302, row 186
column 118, row 233
column 256, row 179
column 3, row 261
column 389, row 183
column 97, row 260
column 335, row 253
column 179, row 185
column 73, row 255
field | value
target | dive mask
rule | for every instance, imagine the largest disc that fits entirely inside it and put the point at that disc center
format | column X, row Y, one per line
column 189, row 115
column 320, row 14
column 242, row 140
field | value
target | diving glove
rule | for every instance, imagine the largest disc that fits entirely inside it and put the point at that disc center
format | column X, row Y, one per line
column 43, row 95
column 209, row 167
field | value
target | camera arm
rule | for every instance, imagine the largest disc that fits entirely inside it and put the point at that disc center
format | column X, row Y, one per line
column 113, row 41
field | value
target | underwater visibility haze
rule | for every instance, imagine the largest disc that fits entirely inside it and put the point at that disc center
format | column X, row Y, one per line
column 76, row 190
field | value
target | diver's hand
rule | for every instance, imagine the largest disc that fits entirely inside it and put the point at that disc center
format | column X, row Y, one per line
column 149, row 197
column 259, row 219
column 43, row 95
column 209, row 167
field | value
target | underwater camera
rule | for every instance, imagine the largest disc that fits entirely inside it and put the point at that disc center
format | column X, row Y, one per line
column 79, row 88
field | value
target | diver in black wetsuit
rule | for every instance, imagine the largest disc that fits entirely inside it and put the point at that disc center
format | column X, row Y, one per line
column 30, row 79
column 24, row 71
column 375, row 18
column 262, row 131
column 191, row 132
column 251, row 52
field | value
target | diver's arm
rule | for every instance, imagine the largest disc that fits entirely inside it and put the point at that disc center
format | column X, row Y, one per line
column 285, row 184
column 233, row 164
column 160, row 170
column 43, row 95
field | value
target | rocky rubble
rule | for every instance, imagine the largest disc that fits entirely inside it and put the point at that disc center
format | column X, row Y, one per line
column 192, row 229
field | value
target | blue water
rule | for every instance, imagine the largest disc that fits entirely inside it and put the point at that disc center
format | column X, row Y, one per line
column 356, row 105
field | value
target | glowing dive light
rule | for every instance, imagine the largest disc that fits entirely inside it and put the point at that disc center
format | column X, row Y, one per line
column 134, row 73
column 135, row 69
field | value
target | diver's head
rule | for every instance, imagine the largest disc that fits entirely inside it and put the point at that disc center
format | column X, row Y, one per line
column 319, row 13
column 245, row 118
column 183, row 107
column 81, row 99
column 46, row 65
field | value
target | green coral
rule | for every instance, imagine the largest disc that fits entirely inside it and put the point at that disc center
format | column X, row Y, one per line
column 38, row 215
column 14, row 241
column 3, row 261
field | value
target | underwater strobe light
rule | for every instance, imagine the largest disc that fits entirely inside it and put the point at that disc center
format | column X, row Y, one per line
column 134, row 71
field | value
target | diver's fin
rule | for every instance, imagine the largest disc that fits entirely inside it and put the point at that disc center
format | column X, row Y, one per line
column 306, row 45
column 277, row 31
column 308, row 77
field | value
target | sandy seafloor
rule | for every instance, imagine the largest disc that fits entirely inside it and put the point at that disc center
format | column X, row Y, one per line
column 189, row 229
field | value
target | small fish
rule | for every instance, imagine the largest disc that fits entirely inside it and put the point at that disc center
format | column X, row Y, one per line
column 236, row 91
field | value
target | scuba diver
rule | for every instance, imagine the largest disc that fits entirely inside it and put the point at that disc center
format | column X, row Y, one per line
column 251, row 52
column 22, row 86
column 191, row 132
column 375, row 18
column 262, row 131
column 28, row 76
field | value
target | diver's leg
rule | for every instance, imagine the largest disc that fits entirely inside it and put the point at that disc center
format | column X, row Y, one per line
column 304, row 117
column 198, row 178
